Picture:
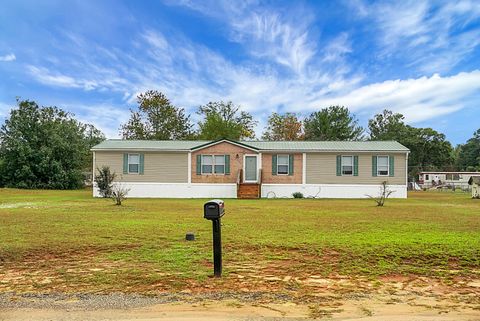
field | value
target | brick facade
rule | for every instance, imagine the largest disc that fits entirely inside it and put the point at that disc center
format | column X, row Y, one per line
column 268, row 178
column 223, row 148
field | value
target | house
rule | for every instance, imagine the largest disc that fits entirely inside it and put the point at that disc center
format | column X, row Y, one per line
column 474, row 181
column 251, row 169
column 452, row 179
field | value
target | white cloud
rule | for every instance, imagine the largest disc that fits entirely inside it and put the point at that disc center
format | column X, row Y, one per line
column 155, row 39
column 191, row 74
column 8, row 57
column 5, row 109
column 44, row 76
column 418, row 99
column 283, row 37
column 104, row 116
column 268, row 34
column 87, row 77
column 283, row 71
column 434, row 36
column 337, row 48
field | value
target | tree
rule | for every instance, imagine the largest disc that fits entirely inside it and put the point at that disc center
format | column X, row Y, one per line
column 385, row 193
column 469, row 153
column 104, row 180
column 225, row 120
column 157, row 119
column 333, row 123
column 44, row 147
column 92, row 136
column 386, row 126
column 119, row 193
column 429, row 149
column 283, row 127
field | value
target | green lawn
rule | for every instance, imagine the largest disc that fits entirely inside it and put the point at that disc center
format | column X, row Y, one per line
column 67, row 240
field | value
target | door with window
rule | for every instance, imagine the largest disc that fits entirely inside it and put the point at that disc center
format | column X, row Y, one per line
column 250, row 169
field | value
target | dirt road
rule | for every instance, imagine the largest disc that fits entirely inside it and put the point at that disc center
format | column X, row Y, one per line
column 370, row 309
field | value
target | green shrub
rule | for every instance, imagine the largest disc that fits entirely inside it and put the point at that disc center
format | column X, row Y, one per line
column 104, row 181
column 297, row 195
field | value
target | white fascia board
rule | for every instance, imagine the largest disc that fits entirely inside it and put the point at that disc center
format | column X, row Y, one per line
column 224, row 141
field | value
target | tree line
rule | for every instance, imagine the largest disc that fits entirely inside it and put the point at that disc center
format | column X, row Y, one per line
column 46, row 147
column 158, row 119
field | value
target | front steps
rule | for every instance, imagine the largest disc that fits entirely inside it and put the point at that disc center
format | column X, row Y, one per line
column 248, row 190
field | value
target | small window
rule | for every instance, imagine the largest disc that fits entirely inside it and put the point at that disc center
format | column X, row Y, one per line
column 219, row 164
column 427, row 177
column 282, row 164
column 133, row 163
column 347, row 165
column 382, row 165
column 207, row 164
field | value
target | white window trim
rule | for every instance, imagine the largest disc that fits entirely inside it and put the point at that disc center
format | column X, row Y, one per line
column 341, row 164
column 288, row 164
column 388, row 165
column 213, row 164
column 189, row 166
column 128, row 164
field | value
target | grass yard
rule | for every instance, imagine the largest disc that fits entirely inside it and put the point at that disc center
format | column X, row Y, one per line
column 67, row 241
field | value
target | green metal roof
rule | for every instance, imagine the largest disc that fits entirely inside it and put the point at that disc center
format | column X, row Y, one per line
column 186, row 145
column 330, row 145
column 120, row 144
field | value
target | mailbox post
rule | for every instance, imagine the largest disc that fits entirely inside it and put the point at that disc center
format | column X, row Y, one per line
column 214, row 210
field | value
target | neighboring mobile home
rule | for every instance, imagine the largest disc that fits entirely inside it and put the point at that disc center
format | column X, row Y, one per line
column 251, row 169
column 451, row 179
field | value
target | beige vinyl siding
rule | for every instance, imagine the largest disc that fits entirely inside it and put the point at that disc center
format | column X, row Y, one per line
column 166, row 167
column 321, row 169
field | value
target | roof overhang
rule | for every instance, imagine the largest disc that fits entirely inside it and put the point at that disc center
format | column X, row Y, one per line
column 463, row 173
column 350, row 151
column 139, row 150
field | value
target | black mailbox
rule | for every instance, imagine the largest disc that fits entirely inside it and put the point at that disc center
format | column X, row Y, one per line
column 213, row 210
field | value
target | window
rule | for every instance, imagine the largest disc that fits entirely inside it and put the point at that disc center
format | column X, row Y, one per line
column 382, row 165
column 347, row 165
column 213, row 164
column 207, row 164
column 282, row 164
column 219, row 164
column 452, row 177
column 133, row 163
column 427, row 177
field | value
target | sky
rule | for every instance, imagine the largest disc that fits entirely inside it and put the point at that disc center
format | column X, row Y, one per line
column 92, row 58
